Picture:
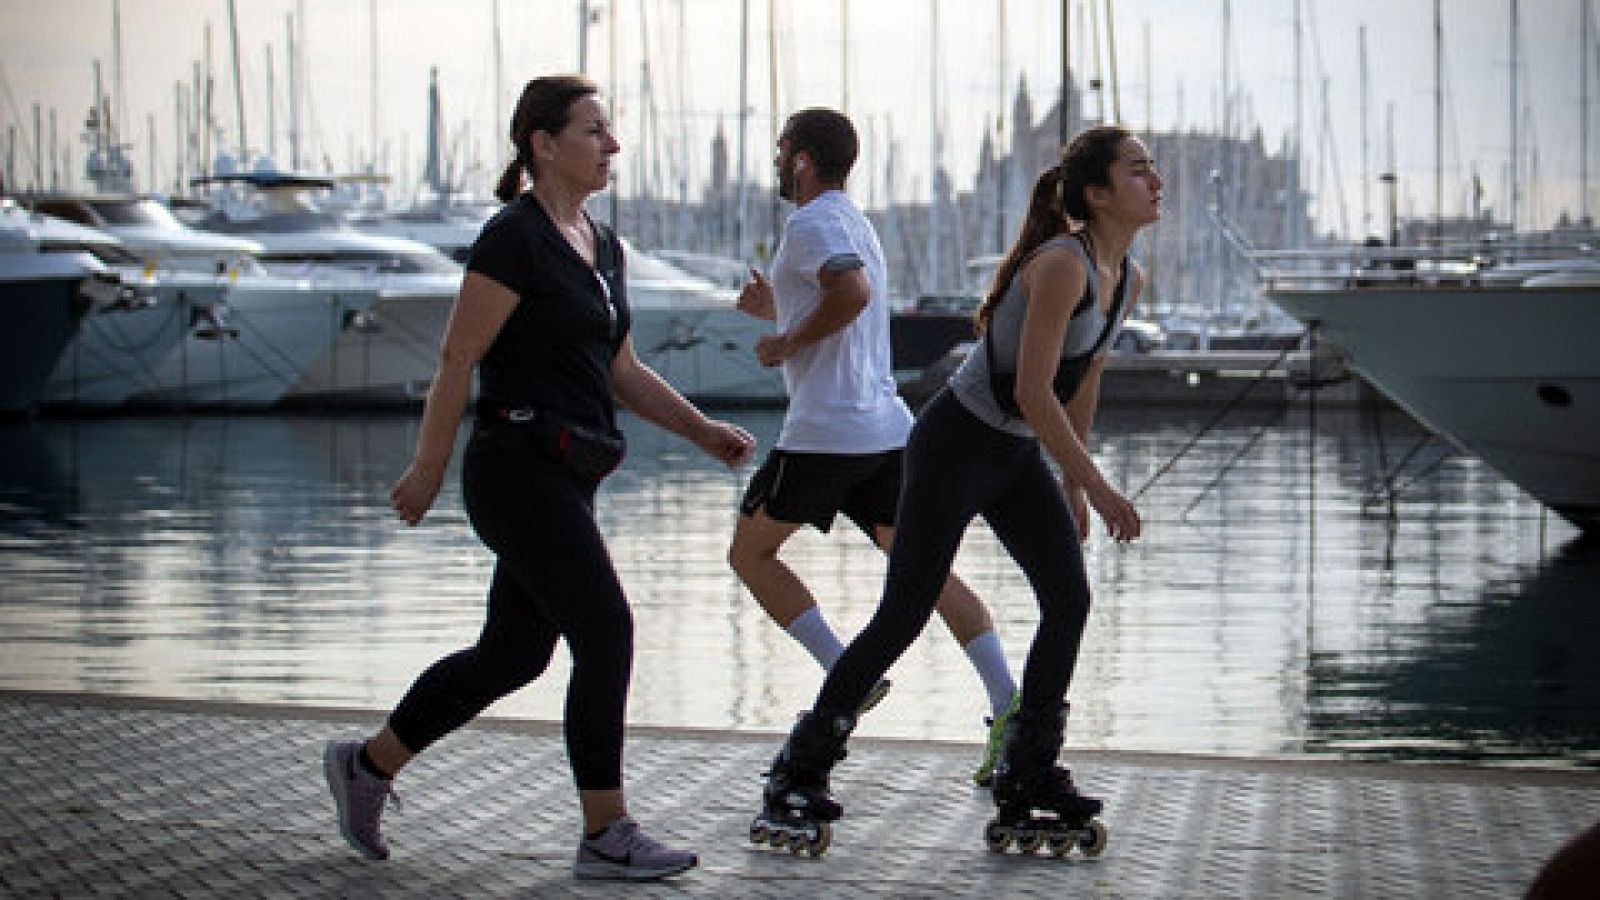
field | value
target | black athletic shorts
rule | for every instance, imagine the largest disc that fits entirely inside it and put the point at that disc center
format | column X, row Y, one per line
column 811, row 488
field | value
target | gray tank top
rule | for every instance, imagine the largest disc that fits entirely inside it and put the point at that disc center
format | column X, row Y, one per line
column 972, row 383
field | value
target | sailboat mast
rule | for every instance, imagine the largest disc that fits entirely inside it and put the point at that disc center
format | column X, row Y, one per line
column 291, row 64
column 1111, row 58
column 1064, row 102
column 197, row 122
column 207, row 91
column 844, row 56
column 179, row 116
column 933, row 145
column 1149, row 86
column 498, row 87
column 1583, row 110
column 1096, row 78
column 1366, row 152
column 616, row 82
column 1438, row 123
column 1227, row 74
column 117, row 87
column 1297, row 153
column 583, row 37
column 1392, row 177
column 1001, row 155
column 238, row 85
column 372, row 85
column 740, row 213
column 272, row 123
column 772, row 94
column 1516, row 154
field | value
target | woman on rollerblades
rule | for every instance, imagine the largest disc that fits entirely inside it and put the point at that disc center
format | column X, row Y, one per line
column 1029, row 388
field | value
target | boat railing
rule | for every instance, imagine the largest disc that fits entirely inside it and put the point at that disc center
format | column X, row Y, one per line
column 1491, row 258
column 1449, row 266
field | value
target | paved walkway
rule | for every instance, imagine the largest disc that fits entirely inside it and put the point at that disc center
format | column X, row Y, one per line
column 160, row 798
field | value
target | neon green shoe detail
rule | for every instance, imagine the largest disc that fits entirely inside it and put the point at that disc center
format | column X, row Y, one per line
column 997, row 729
column 875, row 696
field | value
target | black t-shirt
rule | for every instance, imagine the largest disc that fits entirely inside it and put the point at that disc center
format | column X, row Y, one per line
column 554, row 353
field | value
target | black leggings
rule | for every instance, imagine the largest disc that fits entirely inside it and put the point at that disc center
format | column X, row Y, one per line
column 552, row 579
column 957, row 467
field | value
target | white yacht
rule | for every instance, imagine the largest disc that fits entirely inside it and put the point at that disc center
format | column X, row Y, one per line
column 1504, row 367
column 124, row 339
column 689, row 331
column 390, row 353
column 247, row 336
column 43, row 297
column 684, row 326
column 448, row 229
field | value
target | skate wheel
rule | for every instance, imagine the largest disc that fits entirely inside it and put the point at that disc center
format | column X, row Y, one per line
column 818, row 840
column 997, row 836
column 758, row 832
column 778, row 839
column 1093, row 840
column 1029, row 841
column 1059, row 844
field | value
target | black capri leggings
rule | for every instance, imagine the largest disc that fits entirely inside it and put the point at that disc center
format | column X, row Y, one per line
column 553, row 578
column 957, row 467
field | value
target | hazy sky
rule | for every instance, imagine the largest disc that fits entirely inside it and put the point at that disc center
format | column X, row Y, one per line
column 692, row 55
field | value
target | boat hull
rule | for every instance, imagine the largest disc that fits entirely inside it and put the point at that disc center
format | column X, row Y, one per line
column 121, row 345
column 41, row 316
column 1511, row 375
column 250, row 355
column 387, row 357
column 707, row 353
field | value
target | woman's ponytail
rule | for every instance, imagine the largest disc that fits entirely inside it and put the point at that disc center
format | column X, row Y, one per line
column 510, row 184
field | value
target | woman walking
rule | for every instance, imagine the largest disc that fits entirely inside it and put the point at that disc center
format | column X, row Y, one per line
column 543, row 317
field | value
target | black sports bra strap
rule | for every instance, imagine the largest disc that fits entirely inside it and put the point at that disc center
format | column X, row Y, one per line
column 1113, row 315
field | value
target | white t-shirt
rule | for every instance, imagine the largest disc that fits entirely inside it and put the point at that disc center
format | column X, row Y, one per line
column 842, row 392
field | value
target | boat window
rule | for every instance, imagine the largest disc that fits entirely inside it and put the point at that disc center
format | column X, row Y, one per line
column 71, row 210
column 378, row 263
column 135, row 212
column 110, row 254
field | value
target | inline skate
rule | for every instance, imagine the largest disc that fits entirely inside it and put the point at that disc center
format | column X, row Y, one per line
column 1036, row 803
column 797, row 809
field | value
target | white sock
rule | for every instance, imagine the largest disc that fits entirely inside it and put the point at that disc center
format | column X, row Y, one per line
column 813, row 633
column 989, row 658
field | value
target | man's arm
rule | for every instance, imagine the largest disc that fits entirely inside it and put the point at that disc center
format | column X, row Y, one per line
column 845, row 293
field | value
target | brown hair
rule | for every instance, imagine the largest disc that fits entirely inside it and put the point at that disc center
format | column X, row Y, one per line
column 828, row 138
column 545, row 105
column 1058, row 202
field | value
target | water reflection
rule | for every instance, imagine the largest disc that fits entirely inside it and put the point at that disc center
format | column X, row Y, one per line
column 1505, row 675
column 255, row 559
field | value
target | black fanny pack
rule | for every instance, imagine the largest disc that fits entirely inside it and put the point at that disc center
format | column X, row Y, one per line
column 587, row 453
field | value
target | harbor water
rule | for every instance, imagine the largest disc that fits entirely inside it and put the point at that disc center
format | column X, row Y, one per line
column 1278, row 605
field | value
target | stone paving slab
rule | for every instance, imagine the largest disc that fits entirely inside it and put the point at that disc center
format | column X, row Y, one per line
column 145, row 797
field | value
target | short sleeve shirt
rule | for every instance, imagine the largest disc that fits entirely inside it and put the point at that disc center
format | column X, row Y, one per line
column 842, row 394
column 555, row 350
